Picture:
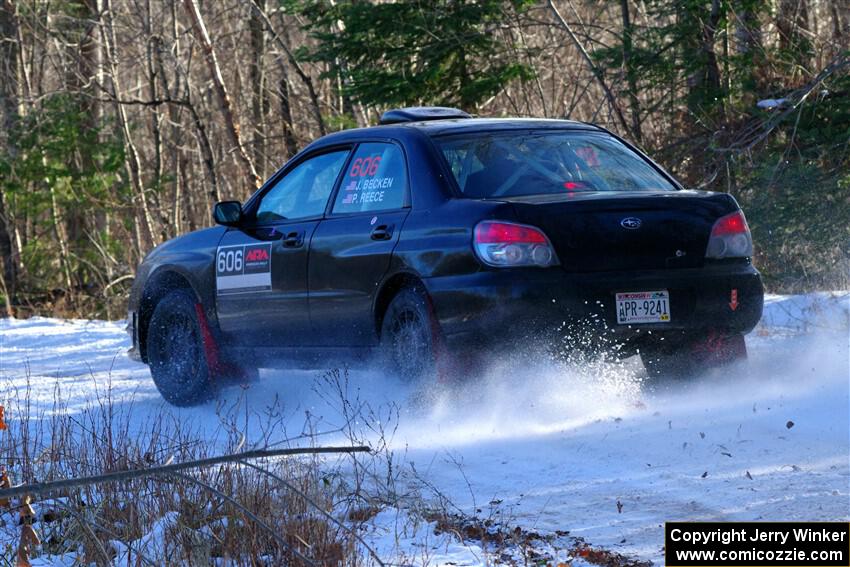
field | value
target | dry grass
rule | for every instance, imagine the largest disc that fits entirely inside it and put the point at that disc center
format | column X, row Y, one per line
column 272, row 512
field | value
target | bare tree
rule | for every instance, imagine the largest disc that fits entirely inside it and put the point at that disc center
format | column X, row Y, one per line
column 143, row 223
column 8, row 124
column 192, row 102
column 629, row 68
column 259, row 95
column 225, row 105
column 597, row 73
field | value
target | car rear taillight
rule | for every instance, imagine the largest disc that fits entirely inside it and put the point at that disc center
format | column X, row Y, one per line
column 730, row 238
column 507, row 244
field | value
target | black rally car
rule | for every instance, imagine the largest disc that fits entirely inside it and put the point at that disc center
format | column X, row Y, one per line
column 436, row 233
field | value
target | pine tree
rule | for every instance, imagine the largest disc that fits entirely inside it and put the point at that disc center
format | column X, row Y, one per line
column 415, row 52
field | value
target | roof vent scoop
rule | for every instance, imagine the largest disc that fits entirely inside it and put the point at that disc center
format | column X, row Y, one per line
column 421, row 113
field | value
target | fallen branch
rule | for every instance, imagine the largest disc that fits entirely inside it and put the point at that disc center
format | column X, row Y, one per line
column 51, row 486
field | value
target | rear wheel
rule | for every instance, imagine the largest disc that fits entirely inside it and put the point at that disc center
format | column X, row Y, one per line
column 694, row 357
column 176, row 351
column 408, row 336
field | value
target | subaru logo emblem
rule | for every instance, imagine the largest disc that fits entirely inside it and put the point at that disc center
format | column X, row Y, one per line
column 630, row 223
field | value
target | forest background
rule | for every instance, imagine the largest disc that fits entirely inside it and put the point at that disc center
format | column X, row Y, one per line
column 123, row 121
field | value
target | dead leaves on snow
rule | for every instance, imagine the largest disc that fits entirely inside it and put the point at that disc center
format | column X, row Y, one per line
column 29, row 537
column 516, row 546
column 5, row 482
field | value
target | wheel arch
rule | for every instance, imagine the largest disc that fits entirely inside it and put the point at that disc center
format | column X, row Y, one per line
column 159, row 284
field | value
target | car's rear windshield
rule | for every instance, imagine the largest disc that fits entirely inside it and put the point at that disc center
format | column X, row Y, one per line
column 493, row 165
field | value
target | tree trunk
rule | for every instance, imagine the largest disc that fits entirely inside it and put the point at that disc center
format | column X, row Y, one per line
column 631, row 75
column 840, row 22
column 90, row 71
column 597, row 72
column 8, row 124
column 793, row 23
column 748, row 47
column 259, row 100
column 206, row 152
column 225, row 105
column 61, row 238
column 7, row 255
column 704, row 86
column 289, row 140
column 305, row 78
column 145, row 231
column 152, row 47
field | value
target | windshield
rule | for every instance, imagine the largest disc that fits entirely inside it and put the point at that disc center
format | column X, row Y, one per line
column 507, row 164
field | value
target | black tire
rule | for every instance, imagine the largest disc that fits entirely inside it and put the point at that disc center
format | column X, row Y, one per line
column 175, row 351
column 693, row 358
column 408, row 336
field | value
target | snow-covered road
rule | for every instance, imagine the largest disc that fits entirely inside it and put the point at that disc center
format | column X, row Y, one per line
column 551, row 447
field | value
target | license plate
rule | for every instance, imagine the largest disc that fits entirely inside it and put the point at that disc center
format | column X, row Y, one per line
column 643, row 307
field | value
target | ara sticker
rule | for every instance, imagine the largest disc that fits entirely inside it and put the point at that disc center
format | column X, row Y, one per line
column 243, row 268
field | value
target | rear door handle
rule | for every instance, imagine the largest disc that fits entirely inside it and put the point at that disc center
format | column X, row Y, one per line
column 383, row 232
column 293, row 239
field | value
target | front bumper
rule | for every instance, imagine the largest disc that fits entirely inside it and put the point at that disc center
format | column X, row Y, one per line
column 509, row 305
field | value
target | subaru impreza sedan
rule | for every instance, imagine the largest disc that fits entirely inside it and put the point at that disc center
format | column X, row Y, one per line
column 435, row 235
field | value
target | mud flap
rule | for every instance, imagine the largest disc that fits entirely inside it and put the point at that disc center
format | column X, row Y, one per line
column 450, row 366
column 718, row 350
column 220, row 371
column 442, row 362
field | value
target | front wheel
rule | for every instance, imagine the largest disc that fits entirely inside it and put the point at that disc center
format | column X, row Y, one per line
column 409, row 336
column 175, row 350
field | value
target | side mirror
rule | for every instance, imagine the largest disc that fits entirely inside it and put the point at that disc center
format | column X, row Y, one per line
column 228, row 213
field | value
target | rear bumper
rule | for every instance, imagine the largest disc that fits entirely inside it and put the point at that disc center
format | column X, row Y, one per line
column 509, row 305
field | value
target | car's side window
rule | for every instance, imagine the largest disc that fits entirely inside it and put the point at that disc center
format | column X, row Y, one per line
column 304, row 191
column 376, row 180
